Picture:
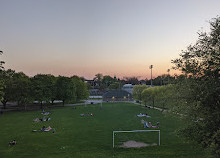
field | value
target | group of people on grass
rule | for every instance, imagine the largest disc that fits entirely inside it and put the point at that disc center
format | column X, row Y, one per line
column 44, row 129
column 149, row 125
column 42, row 119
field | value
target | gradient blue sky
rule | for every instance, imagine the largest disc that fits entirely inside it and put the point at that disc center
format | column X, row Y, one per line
column 113, row 37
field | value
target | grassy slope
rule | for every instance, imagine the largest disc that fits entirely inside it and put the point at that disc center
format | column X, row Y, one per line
column 78, row 136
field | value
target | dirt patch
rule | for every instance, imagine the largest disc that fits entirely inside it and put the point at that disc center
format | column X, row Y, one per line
column 134, row 144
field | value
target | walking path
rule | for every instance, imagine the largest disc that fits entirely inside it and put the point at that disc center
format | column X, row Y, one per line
column 151, row 107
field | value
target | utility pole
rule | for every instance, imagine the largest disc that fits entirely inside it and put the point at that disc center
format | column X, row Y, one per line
column 151, row 67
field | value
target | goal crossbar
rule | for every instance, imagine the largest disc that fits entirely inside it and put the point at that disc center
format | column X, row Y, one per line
column 134, row 132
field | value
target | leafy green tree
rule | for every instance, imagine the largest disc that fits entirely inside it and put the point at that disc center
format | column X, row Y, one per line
column 8, row 89
column 132, row 80
column 41, row 88
column 98, row 78
column 81, row 88
column 200, row 90
column 21, row 89
column 107, row 80
column 137, row 91
column 114, row 85
column 165, row 94
column 51, row 80
column 66, row 89
column 146, row 95
column 1, row 78
column 1, row 62
column 163, row 80
column 149, row 94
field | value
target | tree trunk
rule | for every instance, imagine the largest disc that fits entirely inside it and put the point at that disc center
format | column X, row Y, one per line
column 41, row 105
column 63, row 102
column 4, row 102
column 4, row 105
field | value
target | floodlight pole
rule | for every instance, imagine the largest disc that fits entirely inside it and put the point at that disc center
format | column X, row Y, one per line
column 151, row 67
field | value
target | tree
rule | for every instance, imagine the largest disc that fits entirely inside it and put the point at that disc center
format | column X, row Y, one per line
column 114, row 85
column 98, row 78
column 163, row 80
column 21, row 89
column 81, row 88
column 1, row 78
column 66, row 89
column 132, row 80
column 149, row 94
column 1, row 62
column 51, row 80
column 164, row 94
column 8, row 89
column 201, row 88
column 146, row 95
column 41, row 86
column 137, row 91
column 107, row 80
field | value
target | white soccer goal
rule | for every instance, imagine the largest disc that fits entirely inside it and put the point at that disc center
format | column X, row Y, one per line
column 134, row 132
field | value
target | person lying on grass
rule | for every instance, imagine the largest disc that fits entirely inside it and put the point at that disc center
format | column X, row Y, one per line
column 12, row 143
column 142, row 115
column 150, row 126
column 41, row 119
column 146, row 125
column 45, row 113
column 89, row 114
column 44, row 129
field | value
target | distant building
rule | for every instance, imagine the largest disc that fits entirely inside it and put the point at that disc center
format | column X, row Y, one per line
column 117, row 95
column 128, row 88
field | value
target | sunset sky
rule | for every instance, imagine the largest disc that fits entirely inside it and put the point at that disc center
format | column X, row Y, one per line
column 112, row 37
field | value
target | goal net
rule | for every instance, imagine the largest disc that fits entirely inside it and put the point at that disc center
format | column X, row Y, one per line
column 136, row 138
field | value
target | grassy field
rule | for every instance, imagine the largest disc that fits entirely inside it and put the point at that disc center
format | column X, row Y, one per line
column 90, row 136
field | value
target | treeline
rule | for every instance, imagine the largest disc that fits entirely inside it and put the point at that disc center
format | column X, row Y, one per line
column 18, row 87
column 196, row 94
column 102, row 82
column 158, row 96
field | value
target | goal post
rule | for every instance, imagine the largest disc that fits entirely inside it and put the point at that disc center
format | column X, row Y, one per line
column 134, row 131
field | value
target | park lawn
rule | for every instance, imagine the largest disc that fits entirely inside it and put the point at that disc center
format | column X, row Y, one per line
column 90, row 136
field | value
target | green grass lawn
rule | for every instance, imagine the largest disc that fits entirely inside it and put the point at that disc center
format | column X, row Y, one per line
column 90, row 136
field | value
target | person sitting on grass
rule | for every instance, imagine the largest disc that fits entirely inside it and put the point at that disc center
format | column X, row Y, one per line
column 43, row 128
column 36, row 120
column 158, row 124
column 45, row 113
column 146, row 125
column 12, row 143
column 48, row 128
column 150, row 126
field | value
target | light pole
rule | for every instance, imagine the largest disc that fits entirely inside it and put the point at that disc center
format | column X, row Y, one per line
column 151, row 67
